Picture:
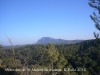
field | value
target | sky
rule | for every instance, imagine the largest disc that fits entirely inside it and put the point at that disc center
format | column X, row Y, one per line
column 26, row 21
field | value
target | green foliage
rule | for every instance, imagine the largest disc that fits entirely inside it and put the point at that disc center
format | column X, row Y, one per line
column 3, row 72
column 85, row 54
column 96, row 15
column 61, row 62
column 0, row 46
column 51, row 54
column 95, row 54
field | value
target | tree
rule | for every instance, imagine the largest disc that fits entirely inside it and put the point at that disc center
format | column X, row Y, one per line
column 96, row 15
column 0, row 46
column 51, row 55
column 96, row 18
column 61, row 62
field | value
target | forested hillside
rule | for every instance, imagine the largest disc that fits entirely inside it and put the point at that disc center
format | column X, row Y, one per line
column 66, row 59
column 26, row 20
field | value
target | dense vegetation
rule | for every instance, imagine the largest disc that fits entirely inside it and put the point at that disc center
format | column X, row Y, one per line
column 65, row 59
column 84, row 55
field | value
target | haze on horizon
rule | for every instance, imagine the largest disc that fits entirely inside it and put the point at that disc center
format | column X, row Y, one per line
column 26, row 21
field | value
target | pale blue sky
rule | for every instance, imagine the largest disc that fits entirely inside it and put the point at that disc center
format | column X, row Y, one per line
column 26, row 21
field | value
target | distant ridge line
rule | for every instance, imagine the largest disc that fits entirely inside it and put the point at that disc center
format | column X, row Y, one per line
column 45, row 40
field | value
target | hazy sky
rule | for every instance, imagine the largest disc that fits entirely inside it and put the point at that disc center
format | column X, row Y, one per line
column 26, row 21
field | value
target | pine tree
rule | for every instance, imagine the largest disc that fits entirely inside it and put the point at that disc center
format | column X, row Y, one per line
column 96, row 18
column 96, row 15
column 51, row 55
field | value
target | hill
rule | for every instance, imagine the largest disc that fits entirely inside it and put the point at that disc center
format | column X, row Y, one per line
column 46, row 40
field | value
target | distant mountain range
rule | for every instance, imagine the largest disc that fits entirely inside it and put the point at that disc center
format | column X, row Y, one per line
column 46, row 40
